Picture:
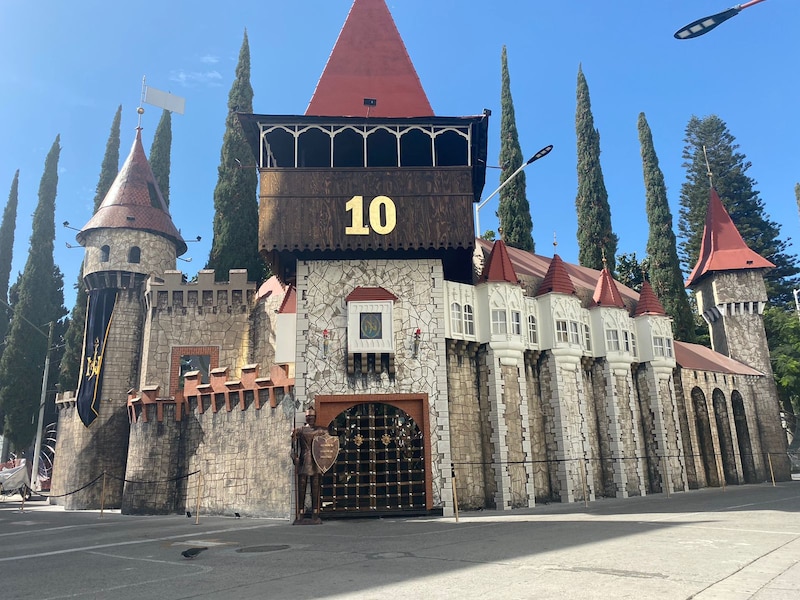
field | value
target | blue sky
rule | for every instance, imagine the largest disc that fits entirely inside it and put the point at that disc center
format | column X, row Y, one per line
column 67, row 66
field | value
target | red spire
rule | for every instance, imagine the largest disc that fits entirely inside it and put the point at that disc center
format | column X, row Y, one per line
column 369, row 60
column 648, row 302
column 606, row 292
column 135, row 202
column 723, row 248
column 556, row 279
column 498, row 266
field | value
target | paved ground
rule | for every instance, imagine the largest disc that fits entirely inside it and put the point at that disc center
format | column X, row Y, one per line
column 732, row 544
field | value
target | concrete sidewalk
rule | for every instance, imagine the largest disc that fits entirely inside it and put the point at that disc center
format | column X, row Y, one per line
column 737, row 543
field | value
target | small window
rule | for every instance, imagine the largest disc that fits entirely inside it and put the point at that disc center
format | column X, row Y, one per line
column 574, row 333
column 626, row 341
column 194, row 362
column 612, row 340
column 658, row 346
column 105, row 251
column 455, row 318
column 561, row 332
column 587, row 337
column 668, row 347
column 469, row 320
column 533, row 336
column 634, row 349
column 499, row 326
column 516, row 322
column 134, row 254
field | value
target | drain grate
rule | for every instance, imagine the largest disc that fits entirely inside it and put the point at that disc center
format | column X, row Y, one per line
column 273, row 548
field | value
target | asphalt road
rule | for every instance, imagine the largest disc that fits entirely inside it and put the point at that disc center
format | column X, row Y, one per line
column 740, row 542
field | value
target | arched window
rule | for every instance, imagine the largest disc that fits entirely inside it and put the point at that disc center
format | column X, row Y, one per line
column 456, row 325
column 104, row 252
column 134, row 254
column 533, row 336
column 469, row 320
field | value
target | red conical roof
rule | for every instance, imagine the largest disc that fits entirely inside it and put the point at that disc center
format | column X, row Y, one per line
column 556, row 279
column 135, row 202
column 606, row 292
column 498, row 267
column 723, row 248
column 648, row 302
column 369, row 60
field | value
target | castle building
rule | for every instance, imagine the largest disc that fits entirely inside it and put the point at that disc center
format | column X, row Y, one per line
column 448, row 366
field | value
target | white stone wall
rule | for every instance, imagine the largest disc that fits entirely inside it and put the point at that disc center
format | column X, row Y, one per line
column 322, row 287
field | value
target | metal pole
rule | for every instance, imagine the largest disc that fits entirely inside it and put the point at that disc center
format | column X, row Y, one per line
column 38, row 445
column 543, row 152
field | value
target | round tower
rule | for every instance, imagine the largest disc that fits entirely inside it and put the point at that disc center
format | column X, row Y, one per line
column 130, row 238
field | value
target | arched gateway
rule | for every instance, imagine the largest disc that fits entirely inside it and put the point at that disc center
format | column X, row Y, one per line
column 383, row 466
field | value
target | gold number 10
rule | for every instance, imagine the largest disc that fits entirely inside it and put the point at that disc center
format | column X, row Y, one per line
column 379, row 225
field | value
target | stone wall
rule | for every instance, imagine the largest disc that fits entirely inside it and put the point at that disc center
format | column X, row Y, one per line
column 240, row 458
column 196, row 314
column 157, row 253
column 86, row 453
column 321, row 369
column 466, row 425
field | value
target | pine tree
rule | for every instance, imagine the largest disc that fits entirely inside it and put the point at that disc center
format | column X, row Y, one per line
column 736, row 189
column 160, row 153
column 662, row 250
column 513, row 211
column 73, row 338
column 595, row 236
column 235, row 244
column 40, row 300
column 7, row 228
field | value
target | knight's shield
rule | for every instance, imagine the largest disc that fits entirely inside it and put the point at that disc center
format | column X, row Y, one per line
column 325, row 449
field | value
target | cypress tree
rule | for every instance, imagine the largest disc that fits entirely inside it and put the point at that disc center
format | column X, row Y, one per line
column 736, row 190
column 160, row 153
column 662, row 250
column 40, row 300
column 73, row 338
column 7, row 228
column 235, row 244
column 513, row 211
column 595, row 236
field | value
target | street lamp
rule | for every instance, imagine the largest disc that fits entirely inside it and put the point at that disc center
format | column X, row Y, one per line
column 543, row 152
column 706, row 24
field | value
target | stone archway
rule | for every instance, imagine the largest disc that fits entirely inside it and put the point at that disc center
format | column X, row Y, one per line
column 725, row 437
column 743, row 438
column 704, row 439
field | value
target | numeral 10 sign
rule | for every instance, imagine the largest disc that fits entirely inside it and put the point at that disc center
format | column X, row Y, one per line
column 381, row 216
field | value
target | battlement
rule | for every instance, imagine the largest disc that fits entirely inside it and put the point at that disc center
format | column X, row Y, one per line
column 173, row 291
column 220, row 393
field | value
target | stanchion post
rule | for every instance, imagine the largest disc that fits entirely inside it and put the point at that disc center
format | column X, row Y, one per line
column 103, row 496
column 197, row 505
column 455, row 494
column 771, row 472
column 583, row 480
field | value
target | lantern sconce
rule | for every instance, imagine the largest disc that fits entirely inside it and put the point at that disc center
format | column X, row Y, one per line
column 415, row 342
column 326, row 339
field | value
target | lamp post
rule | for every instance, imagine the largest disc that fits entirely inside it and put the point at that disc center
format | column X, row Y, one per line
column 706, row 24
column 543, row 152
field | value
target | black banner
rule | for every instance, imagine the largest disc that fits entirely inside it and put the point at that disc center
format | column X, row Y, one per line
column 98, row 322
